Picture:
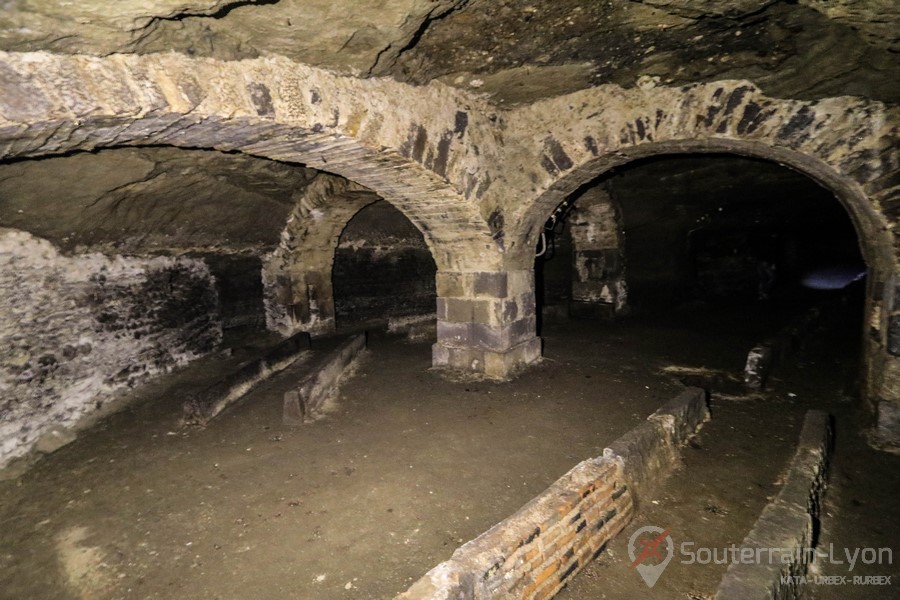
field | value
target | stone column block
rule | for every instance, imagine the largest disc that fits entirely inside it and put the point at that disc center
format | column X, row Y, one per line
column 486, row 322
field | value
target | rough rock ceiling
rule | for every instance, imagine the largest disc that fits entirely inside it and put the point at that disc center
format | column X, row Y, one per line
column 514, row 50
column 151, row 200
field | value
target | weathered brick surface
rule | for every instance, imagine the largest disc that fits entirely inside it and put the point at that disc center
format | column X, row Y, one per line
column 788, row 522
column 533, row 553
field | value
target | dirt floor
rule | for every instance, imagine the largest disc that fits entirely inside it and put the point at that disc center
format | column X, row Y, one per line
column 737, row 464
column 408, row 465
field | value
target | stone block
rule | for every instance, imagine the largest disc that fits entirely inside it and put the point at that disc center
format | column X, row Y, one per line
column 519, row 282
column 510, row 311
column 683, row 415
column 893, row 334
column 502, row 337
column 502, row 365
column 322, row 382
column 456, row 335
column 466, row 359
column 647, row 454
column 759, row 362
column 458, row 310
column 888, row 427
column 293, row 408
column 450, row 284
column 487, row 311
column 440, row 355
column 492, row 284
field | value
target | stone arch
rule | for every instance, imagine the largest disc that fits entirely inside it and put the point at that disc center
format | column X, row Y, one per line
column 847, row 145
column 296, row 276
column 409, row 145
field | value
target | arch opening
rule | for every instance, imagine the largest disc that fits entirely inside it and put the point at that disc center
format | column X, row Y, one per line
column 383, row 273
column 724, row 230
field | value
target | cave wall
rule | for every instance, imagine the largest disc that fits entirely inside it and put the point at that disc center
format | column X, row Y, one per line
column 382, row 269
column 77, row 329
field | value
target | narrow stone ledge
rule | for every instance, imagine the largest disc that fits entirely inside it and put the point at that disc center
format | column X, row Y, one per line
column 787, row 524
column 304, row 403
column 203, row 407
column 536, row 551
column 652, row 448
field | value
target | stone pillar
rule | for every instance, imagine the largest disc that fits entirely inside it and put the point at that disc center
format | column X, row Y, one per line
column 882, row 360
column 296, row 276
column 598, row 269
column 486, row 322
column 299, row 301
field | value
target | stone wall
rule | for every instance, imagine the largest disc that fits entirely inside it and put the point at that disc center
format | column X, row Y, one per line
column 74, row 330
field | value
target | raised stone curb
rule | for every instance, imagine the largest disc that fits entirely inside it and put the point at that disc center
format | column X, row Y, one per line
column 764, row 356
column 303, row 403
column 787, row 523
column 199, row 409
column 536, row 551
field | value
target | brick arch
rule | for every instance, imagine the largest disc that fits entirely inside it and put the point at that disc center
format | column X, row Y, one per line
column 412, row 146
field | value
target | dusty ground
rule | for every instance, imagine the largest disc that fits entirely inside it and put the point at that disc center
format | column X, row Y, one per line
column 405, row 468
column 736, row 464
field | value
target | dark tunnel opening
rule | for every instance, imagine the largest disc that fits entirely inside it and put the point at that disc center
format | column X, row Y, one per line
column 383, row 271
column 691, row 234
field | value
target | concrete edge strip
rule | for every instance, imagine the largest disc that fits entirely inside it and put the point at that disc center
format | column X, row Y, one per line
column 201, row 408
column 535, row 552
column 787, row 524
column 303, row 403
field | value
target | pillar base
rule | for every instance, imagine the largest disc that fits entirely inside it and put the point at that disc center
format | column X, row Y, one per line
column 490, row 364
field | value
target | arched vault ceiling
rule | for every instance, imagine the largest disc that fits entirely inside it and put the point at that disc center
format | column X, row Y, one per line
column 513, row 51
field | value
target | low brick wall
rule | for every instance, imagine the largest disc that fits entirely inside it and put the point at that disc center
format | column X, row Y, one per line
column 533, row 554
column 787, row 523
column 303, row 403
column 200, row 408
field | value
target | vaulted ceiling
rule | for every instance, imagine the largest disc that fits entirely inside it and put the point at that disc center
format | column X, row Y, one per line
column 511, row 51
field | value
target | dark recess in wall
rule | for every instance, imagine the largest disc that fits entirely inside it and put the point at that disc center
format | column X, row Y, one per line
column 240, row 290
